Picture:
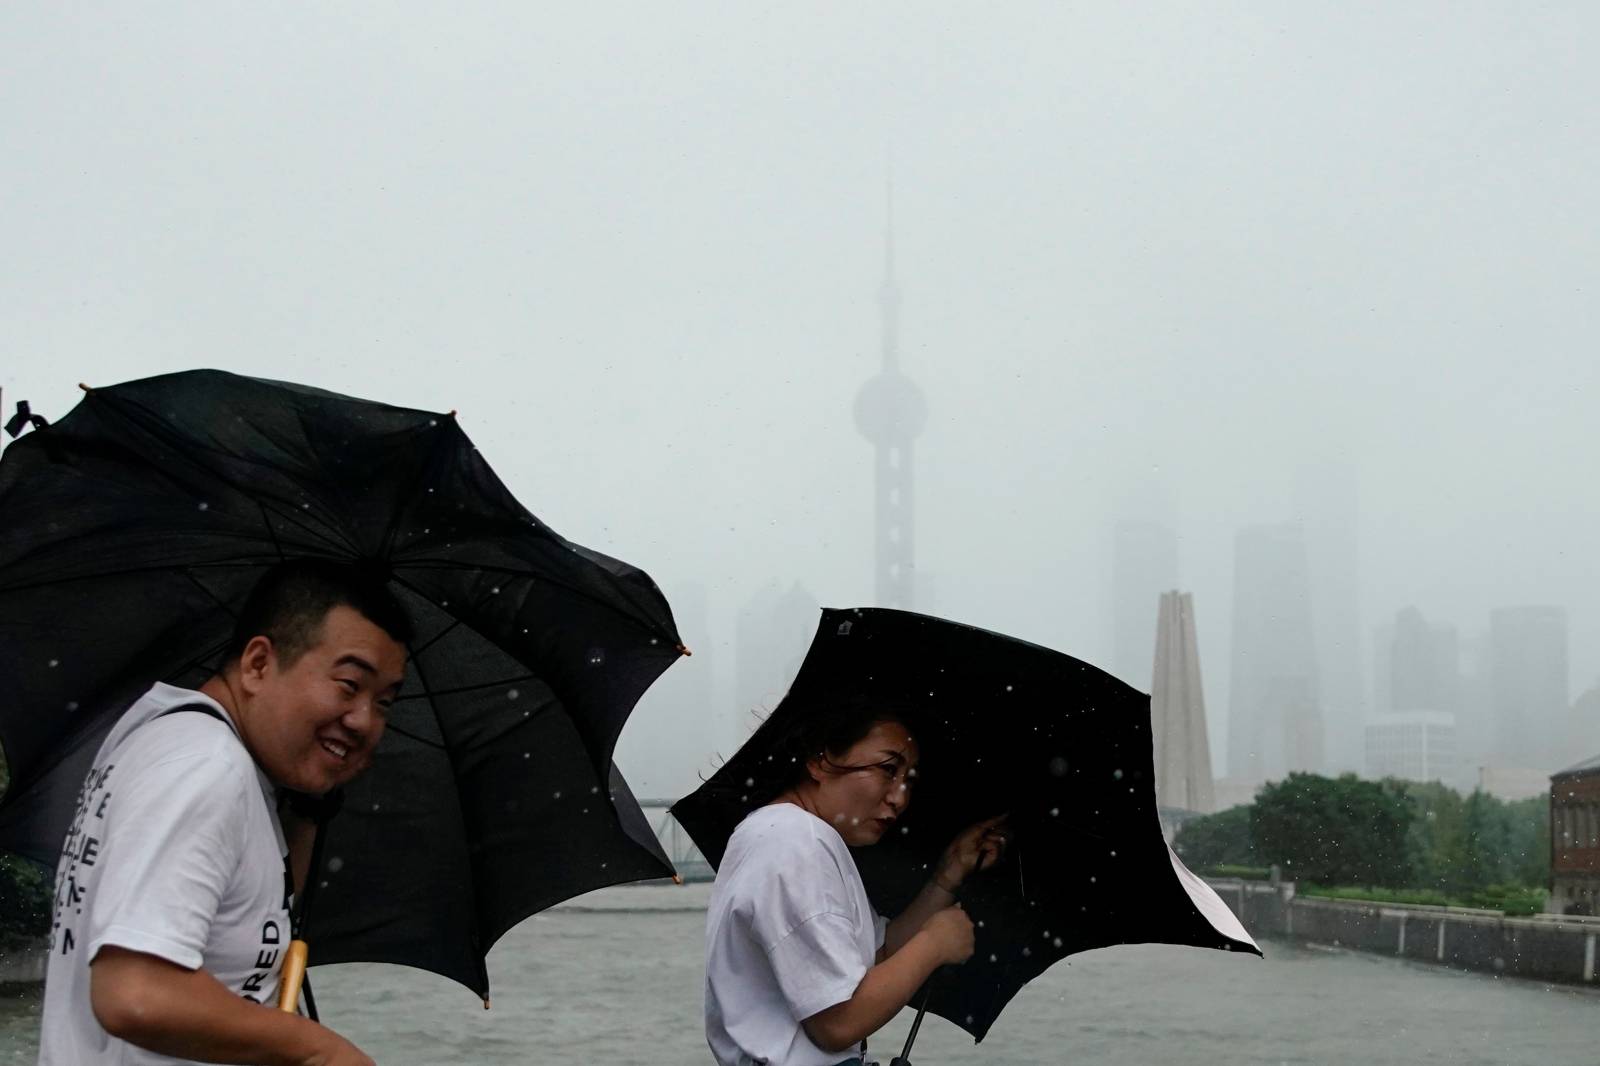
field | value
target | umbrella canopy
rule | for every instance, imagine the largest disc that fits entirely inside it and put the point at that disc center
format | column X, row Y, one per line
column 131, row 531
column 1003, row 727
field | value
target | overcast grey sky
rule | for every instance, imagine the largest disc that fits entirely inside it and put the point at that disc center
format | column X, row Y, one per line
column 1156, row 260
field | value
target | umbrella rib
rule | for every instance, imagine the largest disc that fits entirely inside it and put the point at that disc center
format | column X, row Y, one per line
column 390, row 728
column 156, row 427
column 437, row 637
column 483, row 970
column 466, row 688
column 450, row 564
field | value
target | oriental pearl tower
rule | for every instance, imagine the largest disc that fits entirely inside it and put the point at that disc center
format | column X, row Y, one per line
column 890, row 412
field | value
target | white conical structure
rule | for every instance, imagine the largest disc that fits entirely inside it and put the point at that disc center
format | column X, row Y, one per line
column 1178, row 711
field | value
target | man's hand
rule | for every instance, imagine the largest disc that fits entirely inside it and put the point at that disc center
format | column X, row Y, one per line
column 188, row 1014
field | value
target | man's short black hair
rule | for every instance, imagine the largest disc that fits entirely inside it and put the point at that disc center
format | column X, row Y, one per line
column 293, row 598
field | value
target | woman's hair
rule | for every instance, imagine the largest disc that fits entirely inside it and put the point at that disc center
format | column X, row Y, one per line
column 802, row 728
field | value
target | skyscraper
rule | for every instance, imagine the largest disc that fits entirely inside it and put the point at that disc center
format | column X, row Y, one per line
column 1178, row 710
column 1327, row 506
column 1274, row 713
column 1528, row 685
column 773, row 631
column 1424, row 665
column 1415, row 733
column 1144, row 564
column 890, row 412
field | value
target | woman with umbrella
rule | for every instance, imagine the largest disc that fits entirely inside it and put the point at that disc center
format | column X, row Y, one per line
column 799, row 968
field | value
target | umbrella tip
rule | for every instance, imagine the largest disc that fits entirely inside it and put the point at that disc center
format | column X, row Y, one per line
column 84, row 387
column 485, row 1002
column 683, row 649
column 452, row 413
column 677, row 879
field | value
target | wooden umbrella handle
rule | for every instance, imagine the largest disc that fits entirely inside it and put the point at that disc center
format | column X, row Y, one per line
column 294, row 974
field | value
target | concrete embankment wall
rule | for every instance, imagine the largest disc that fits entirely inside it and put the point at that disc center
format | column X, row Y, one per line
column 23, row 962
column 1546, row 948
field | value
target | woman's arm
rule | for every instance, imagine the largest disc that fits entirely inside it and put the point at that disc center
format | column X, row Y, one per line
column 946, row 937
column 975, row 848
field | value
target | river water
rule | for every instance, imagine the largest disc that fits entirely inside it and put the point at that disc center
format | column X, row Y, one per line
column 615, row 978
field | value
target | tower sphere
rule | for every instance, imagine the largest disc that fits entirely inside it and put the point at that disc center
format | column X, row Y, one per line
column 890, row 408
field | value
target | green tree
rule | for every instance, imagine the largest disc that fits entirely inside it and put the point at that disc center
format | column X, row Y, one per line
column 1435, row 826
column 1334, row 831
column 1221, row 839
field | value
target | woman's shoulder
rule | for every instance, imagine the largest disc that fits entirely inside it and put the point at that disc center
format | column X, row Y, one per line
column 780, row 830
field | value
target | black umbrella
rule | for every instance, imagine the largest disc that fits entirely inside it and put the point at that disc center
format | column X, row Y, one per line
column 1004, row 727
column 132, row 529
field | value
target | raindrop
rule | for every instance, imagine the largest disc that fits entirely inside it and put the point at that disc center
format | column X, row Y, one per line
column 495, row 591
column 1058, row 767
column 204, row 506
column 1055, row 812
column 969, row 1019
column 1091, row 880
column 72, row 705
column 54, row 663
column 745, row 798
column 749, row 782
column 980, row 923
column 905, row 830
column 557, row 794
column 1113, row 854
column 433, row 421
column 994, row 958
column 1008, row 688
column 1116, row 775
column 527, row 755
column 512, row 694
column 1056, row 941
column 593, row 789
column 335, row 864
column 1027, row 953
column 602, row 866
column 375, row 806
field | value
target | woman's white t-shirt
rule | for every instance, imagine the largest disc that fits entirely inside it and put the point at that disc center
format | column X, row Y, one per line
column 789, row 933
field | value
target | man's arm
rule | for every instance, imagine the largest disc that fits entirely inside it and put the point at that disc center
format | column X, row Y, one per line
column 188, row 1014
column 946, row 937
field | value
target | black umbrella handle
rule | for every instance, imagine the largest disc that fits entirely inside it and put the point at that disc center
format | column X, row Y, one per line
column 904, row 1058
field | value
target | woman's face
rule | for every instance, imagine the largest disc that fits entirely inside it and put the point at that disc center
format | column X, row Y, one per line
column 862, row 791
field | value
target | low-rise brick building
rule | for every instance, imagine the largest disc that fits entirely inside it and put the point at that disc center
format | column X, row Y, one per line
column 1575, row 839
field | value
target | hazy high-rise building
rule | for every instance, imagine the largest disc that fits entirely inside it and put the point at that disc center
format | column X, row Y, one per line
column 1414, row 734
column 1144, row 564
column 890, row 412
column 1424, row 665
column 1327, row 506
column 1274, row 713
column 1528, row 685
column 773, row 631
column 1178, row 710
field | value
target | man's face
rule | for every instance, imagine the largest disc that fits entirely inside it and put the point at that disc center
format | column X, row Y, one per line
column 313, row 725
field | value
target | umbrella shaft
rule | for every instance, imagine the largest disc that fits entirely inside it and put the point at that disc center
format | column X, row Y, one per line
column 294, row 972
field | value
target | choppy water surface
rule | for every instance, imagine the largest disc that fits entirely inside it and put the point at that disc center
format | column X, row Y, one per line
column 617, row 980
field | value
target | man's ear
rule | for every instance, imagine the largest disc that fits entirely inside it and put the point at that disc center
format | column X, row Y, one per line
column 815, row 769
column 258, row 658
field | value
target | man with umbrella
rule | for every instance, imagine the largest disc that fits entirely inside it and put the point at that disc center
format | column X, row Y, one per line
column 172, row 894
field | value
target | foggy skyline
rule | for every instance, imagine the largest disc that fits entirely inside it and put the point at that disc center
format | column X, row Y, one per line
column 1179, row 265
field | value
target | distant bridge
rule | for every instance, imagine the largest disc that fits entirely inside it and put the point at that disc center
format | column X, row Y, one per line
column 691, row 865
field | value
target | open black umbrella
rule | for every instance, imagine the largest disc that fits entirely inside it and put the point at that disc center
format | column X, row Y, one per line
column 131, row 530
column 1004, row 726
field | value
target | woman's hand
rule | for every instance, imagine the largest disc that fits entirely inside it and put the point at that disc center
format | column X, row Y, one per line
column 977, row 847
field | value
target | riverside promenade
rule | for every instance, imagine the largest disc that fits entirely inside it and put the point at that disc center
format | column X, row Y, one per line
column 1544, row 947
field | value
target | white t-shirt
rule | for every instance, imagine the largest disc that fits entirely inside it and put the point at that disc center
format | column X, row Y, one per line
column 789, row 932
column 175, row 851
